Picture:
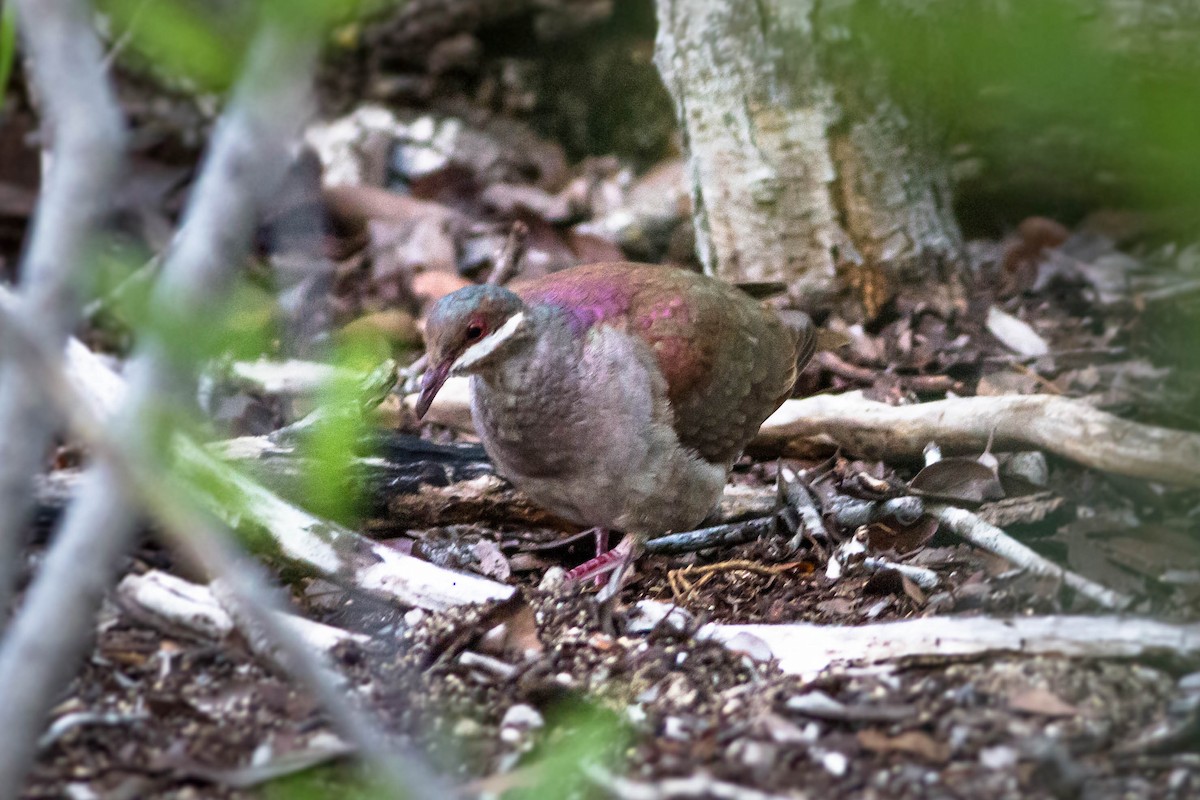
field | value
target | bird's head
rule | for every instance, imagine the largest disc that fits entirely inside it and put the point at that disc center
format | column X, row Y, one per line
column 465, row 332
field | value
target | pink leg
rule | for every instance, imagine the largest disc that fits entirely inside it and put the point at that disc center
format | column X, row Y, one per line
column 601, row 541
column 603, row 562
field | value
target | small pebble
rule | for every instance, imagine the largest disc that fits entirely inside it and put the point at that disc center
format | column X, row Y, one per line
column 1030, row 466
column 467, row 727
column 673, row 728
column 522, row 716
column 835, row 763
column 552, row 579
column 999, row 757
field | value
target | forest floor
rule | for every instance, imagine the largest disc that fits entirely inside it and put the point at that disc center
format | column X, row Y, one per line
column 542, row 696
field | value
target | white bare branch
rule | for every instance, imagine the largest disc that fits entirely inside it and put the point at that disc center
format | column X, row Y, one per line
column 808, row 649
column 178, row 607
column 1066, row 427
column 83, row 126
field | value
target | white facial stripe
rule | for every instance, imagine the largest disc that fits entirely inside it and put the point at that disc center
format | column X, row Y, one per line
column 488, row 344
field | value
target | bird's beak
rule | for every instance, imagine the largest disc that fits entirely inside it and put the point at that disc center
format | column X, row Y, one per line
column 431, row 383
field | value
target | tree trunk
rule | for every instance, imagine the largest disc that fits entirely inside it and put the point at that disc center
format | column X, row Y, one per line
column 800, row 171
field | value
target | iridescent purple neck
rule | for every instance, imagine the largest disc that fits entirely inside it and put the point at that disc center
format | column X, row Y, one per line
column 584, row 305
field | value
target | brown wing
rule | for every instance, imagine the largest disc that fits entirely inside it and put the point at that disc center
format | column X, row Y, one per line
column 728, row 361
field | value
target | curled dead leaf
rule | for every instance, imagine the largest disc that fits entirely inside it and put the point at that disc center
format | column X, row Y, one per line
column 963, row 480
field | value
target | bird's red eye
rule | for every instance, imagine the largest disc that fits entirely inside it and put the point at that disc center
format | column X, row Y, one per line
column 474, row 331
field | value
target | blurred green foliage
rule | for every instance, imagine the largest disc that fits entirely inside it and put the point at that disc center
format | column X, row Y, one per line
column 8, row 46
column 327, row 782
column 327, row 488
column 577, row 734
column 119, row 281
column 1072, row 103
column 205, row 41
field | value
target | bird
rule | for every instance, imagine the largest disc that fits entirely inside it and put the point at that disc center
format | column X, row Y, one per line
column 615, row 395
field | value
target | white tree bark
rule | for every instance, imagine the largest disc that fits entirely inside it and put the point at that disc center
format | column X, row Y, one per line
column 798, row 175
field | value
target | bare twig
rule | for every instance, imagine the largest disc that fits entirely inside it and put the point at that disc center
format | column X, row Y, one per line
column 864, row 375
column 988, row 537
column 88, row 135
column 853, row 512
column 725, row 535
column 801, row 506
column 700, row 786
column 508, row 260
column 921, row 576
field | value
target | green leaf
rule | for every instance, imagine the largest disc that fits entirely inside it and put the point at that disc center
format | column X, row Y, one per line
column 8, row 46
column 182, row 39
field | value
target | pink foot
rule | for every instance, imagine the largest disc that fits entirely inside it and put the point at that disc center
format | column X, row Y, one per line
column 604, row 562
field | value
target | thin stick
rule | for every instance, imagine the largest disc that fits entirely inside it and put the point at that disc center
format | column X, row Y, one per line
column 988, row 537
column 508, row 260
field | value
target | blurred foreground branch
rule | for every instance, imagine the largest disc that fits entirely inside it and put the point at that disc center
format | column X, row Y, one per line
column 54, row 628
column 83, row 126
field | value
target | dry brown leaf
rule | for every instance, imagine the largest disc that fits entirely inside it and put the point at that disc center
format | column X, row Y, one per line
column 1023, row 510
column 888, row 535
column 958, row 480
column 1041, row 702
column 432, row 286
column 516, row 634
column 917, row 743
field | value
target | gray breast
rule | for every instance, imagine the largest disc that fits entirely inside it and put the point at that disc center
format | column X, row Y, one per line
column 569, row 423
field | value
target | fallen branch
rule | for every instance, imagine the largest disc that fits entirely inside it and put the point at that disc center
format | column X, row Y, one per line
column 281, row 531
column 1066, row 427
column 178, row 607
column 323, row 548
column 806, row 649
